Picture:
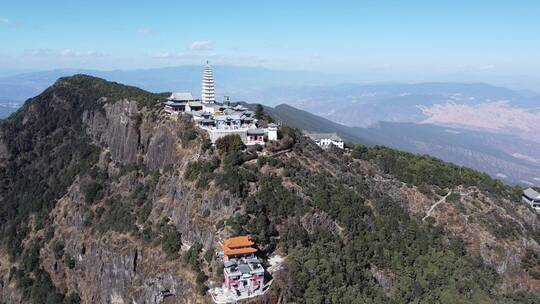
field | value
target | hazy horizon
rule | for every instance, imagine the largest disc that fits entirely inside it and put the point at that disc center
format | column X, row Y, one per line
column 485, row 41
column 336, row 78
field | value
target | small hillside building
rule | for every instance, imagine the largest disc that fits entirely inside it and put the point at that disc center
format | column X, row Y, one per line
column 242, row 271
column 244, row 275
column 178, row 102
column 255, row 137
column 272, row 131
column 326, row 140
column 532, row 197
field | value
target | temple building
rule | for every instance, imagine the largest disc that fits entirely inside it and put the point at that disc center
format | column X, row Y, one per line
column 255, row 137
column 238, row 247
column 243, row 272
column 244, row 275
column 179, row 102
column 208, row 94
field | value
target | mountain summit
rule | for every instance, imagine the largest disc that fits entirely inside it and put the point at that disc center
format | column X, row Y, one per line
column 107, row 200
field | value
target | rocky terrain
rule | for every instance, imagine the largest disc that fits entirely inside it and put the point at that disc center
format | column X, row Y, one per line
column 104, row 200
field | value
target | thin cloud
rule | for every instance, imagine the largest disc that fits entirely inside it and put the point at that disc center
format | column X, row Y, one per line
column 168, row 55
column 8, row 22
column 145, row 31
column 203, row 45
column 68, row 53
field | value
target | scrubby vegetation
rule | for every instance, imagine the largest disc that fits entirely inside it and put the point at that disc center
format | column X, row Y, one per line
column 192, row 258
column 324, row 267
column 171, row 241
column 229, row 144
column 311, row 205
column 327, row 265
column 422, row 170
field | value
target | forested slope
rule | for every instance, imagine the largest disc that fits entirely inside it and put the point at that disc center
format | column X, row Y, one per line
column 104, row 199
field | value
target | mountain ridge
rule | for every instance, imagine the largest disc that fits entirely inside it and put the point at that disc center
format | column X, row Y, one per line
column 132, row 186
column 497, row 150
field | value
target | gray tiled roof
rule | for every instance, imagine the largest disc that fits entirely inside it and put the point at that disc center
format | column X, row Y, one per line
column 530, row 192
column 195, row 104
column 318, row 136
column 255, row 132
column 229, row 263
column 181, row 96
column 175, row 103
column 244, row 268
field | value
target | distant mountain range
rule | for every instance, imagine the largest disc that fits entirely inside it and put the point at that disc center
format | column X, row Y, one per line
column 230, row 80
column 486, row 127
column 7, row 107
column 363, row 105
column 504, row 156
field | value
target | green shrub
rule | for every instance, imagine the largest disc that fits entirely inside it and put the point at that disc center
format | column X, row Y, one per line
column 201, row 167
column 147, row 233
column 454, row 198
column 118, row 216
column 144, row 212
column 229, row 144
column 92, row 191
column 191, row 257
column 171, row 241
column 72, row 298
column 208, row 256
column 58, row 249
column 69, row 261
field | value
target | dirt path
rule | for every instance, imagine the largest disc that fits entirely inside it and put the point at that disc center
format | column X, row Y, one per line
column 442, row 200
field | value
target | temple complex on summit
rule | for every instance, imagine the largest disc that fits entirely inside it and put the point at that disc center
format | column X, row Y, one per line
column 219, row 119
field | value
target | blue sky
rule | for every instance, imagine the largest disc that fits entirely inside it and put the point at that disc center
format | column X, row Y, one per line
column 381, row 40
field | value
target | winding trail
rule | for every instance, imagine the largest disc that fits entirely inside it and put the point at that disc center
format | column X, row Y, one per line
column 442, row 200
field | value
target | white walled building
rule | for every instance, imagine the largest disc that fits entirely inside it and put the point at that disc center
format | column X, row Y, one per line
column 272, row 131
column 255, row 137
column 326, row 140
column 531, row 197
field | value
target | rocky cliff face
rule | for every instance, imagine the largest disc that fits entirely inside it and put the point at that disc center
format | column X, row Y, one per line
column 118, row 268
column 114, row 266
column 103, row 237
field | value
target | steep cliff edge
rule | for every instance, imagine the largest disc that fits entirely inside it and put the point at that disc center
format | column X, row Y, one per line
column 99, row 190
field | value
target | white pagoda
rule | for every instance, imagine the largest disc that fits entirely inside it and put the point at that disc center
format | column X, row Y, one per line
column 207, row 95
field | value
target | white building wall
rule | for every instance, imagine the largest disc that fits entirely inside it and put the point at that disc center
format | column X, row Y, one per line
column 272, row 134
column 208, row 108
column 533, row 203
column 326, row 142
column 216, row 134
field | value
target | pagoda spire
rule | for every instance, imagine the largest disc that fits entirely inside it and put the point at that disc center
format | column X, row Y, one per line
column 207, row 95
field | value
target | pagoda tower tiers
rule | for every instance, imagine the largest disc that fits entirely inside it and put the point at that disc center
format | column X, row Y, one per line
column 207, row 95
